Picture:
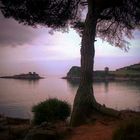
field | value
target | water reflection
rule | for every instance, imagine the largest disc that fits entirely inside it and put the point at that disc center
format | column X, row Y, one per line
column 106, row 86
column 118, row 95
column 28, row 81
column 73, row 82
column 16, row 110
column 18, row 96
column 73, row 86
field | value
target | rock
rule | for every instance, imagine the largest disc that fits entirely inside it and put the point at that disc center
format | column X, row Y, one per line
column 47, row 131
column 4, row 135
column 17, row 121
column 41, row 134
column 19, row 131
column 75, row 71
column 3, row 127
column 13, row 128
column 3, row 124
column 28, row 76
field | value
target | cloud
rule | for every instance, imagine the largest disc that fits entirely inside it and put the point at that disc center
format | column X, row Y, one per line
column 137, row 34
column 14, row 34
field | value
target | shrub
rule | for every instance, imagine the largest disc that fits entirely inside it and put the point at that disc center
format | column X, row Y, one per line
column 129, row 130
column 51, row 110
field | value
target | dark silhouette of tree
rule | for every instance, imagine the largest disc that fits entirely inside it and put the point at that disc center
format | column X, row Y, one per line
column 111, row 20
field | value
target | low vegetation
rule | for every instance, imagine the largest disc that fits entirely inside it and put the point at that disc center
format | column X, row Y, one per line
column 51, row 110
column 128, row 73
column 129, row 130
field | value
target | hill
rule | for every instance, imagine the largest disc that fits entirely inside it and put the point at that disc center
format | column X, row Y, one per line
column 127, row 73
column 135, row 67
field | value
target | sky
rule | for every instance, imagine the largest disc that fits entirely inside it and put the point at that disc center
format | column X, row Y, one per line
column 24, row 49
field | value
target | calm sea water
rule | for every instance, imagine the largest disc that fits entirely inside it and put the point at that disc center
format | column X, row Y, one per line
column 18, row 96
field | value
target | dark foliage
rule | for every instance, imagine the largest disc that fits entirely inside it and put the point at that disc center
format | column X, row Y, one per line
column 129, row 130
column 53, row 13
column 116, row 19
column 118, row 22
column 51, row 110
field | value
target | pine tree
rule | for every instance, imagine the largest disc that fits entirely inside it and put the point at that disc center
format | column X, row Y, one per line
column 111, row 20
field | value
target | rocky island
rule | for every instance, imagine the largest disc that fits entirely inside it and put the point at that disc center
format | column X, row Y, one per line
column 128, row 73
column 28, row 76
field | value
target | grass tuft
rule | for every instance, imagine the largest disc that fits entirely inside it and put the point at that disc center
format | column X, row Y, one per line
column 129, row 130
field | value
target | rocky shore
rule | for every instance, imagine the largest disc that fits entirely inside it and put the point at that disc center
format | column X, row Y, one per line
column 101, row 127
column 13, row 128
column 23, row 129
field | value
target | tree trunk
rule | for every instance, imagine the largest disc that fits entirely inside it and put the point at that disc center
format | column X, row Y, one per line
column 84, row 100
column 85, row 104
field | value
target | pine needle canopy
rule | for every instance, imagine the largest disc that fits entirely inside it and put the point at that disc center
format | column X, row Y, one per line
column 117, row 23
column 116, row 18
column 53, row 13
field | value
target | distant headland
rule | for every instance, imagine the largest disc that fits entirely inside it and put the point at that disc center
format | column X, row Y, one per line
column 128, row 73
column 28, row 76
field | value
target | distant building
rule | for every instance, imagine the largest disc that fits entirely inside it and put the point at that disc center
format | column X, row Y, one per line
column 30, row 73
column 34, row 73
column 106, row 70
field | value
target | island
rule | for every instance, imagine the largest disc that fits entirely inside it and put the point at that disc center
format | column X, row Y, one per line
column 128, row 73
column 28, row 76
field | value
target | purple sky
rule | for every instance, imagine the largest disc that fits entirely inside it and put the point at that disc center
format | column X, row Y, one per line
column 24, row 49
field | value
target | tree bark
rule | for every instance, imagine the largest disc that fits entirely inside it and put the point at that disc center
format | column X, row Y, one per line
column 85, row 104
column 84, row 100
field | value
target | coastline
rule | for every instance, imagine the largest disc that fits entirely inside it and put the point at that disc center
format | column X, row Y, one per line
column 106, row 79
column 129, row 73
column 103, row 127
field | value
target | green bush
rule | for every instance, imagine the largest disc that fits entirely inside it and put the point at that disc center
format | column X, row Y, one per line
column 129, row 130
column 51, row 110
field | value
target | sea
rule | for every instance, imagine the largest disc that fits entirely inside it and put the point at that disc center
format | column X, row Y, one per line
column 17, row 97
